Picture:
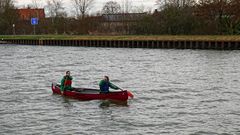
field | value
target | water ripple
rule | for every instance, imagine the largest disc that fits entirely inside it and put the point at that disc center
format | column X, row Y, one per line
column 177, row 92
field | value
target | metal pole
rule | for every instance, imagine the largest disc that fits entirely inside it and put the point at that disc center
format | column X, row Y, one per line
column 34, row 30
column 14, row 32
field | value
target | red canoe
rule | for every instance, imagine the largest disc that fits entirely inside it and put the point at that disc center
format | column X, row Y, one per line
column 91, row 94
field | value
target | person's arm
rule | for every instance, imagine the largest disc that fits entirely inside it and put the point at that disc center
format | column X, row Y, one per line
column 62, row 84
column 101, row 84
column 72, row 84
column 71, row 78
column 113, row 86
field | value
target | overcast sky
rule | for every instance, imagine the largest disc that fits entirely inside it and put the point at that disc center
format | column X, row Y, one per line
column 98, row 4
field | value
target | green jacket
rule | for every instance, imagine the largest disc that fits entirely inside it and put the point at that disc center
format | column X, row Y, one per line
column 66, row 83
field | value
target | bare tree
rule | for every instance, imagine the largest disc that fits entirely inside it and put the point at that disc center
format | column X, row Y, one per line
column 224, row 14
column 8, row 16
column 127, row 6
column 111, row 7
column 6, row 4
column 175, row 3
column 35, row 4
column 139, row 9
column 57, row 14
column 82, row 7
column 55, row 8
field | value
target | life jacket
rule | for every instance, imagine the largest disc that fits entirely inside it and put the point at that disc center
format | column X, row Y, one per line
column 67, row 82
column 104, row 87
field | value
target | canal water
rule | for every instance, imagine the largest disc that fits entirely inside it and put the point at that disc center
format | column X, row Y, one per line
column 177, row 92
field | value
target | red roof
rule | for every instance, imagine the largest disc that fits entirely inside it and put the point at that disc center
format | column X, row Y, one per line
column 28, row 13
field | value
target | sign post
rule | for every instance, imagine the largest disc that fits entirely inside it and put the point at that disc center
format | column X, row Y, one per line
column 34, row 22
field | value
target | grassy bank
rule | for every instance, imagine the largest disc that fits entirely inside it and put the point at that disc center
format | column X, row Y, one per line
column 130, row 37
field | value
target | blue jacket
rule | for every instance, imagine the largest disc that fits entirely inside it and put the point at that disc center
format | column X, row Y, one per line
column 104, row 86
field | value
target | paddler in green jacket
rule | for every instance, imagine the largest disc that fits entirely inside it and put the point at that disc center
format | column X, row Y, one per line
column 105, row 84
column 66, row 82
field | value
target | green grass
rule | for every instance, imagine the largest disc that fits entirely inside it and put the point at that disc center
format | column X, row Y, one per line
column 127, row 37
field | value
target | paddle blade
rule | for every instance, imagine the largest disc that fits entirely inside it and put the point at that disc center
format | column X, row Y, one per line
column 130, row 94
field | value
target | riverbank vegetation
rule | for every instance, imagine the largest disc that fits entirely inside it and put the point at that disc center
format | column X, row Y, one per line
column 172, row 17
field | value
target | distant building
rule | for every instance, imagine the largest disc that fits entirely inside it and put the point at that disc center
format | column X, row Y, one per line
column 126, row 17
column 28, row 13
column 115, row 24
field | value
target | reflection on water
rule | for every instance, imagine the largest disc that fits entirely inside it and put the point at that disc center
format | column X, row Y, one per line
column 110, row 103
column 176, row 91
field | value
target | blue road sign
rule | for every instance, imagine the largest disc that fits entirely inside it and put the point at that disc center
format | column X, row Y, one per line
column 34, row 21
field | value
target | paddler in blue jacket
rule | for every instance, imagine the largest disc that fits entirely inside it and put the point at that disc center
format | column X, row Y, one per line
column 66, row 82
column 105, row 84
